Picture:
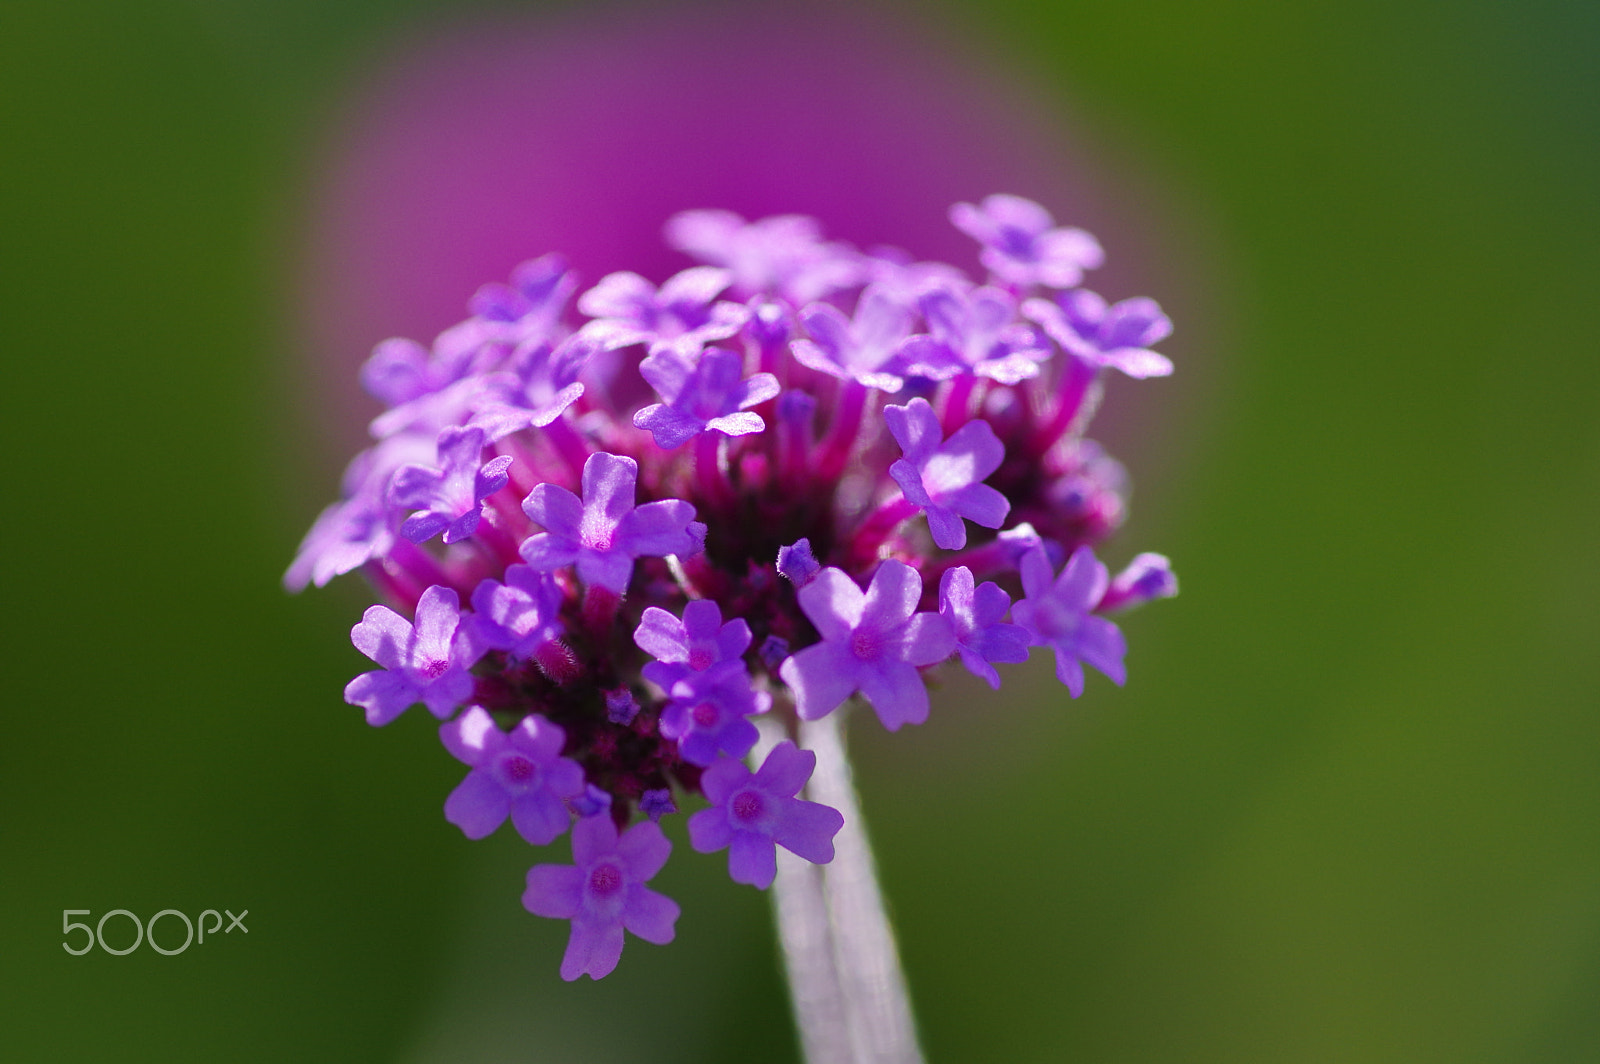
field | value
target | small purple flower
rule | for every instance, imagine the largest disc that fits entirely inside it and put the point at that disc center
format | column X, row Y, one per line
column 976, row 615
column 944, row 477
column 603, row 892
column 782, row 255
column 426, row 662
column 861, row 349
column 752, row 814
column 362, row 525
column 1021, row 244
column 771, row 323
column 871, row 643
column 400, row 370
column 521, row 775
column 705, row 397
column 345, row 535
column 1055, row 613
column 695, row 643
column 1091, row 494
column 1118, row 336
column 539, row 384
column 699, row 665
column 531, row 305
column 518, row 616
column 681, row 317
column 604, row 532
column 972, row 332
column 706, row 712
column 1147, row 577
column 449, row 496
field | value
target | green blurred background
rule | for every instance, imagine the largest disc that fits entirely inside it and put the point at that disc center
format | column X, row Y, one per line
column 1347, row 809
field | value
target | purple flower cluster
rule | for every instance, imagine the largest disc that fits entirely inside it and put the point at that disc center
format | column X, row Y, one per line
column 791, row 474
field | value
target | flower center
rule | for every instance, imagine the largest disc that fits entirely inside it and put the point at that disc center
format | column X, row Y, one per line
column 518, row 769
column 435, row 668
column 866, row 644
column 945, row 474
column 747, row 806
column 595, row 532
column 1015, row 242
column 699, row 659
column 1057, row 621
column 705, row 714
column 605, row 880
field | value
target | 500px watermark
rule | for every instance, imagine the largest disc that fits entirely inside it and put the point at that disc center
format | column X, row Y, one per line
column 145, row 932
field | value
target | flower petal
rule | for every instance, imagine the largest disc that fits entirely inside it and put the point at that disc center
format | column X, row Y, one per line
column 650, row 915
column 897, row 693
column 833, row 602
column 891, row 598
column 785, row 770
column 555, row 891
column 709, row 830
column 643, row 850
column 821, row 677
column 806, row 829
column 594, row 948
column 752, row 859
column 478, row 805
column 539, row 816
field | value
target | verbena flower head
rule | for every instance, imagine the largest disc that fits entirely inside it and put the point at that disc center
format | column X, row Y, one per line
column 790, row 475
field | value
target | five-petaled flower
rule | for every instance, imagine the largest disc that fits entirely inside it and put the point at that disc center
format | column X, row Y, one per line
column 603, row 891
column 1056, row 613
column 972, row 331
column 862, row 349
column 709, row 395
column 426, row 662
column 944, row 478
column 1118, row 336
column 1021, row 244
column 872, row 642
column 521, row 775
column 681, row 317
column 518, row 616
column 752, row 814
column 976, row 616
column 450, row 496
column 604, row 532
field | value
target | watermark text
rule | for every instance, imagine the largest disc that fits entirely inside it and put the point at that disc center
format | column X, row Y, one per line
column 194, row 931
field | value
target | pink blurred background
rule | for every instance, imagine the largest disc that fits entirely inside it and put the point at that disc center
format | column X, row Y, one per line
column 467, row 149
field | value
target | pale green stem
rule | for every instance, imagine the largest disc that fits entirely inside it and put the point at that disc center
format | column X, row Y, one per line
column 849, row 994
